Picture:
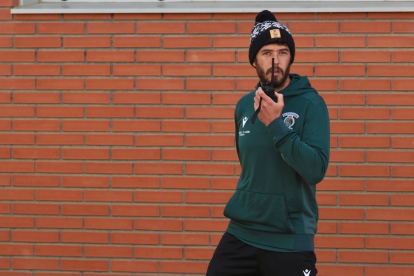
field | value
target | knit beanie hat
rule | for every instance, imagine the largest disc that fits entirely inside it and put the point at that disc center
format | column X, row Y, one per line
column 267, row 30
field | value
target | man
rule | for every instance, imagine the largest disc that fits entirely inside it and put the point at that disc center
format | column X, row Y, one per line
column 273, row 213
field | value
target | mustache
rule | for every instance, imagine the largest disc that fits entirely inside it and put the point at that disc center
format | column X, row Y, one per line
column 269, row 71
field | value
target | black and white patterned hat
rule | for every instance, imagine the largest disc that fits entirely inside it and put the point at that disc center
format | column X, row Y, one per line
column 267, row 30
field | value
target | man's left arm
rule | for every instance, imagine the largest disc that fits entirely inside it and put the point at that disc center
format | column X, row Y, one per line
column 307, row 155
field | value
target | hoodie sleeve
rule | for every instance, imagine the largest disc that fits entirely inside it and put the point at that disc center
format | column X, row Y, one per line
column 309, row 155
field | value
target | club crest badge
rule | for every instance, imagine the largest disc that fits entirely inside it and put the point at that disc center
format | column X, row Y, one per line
column 289, row 119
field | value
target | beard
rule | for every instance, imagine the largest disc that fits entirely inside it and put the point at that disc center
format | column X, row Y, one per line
column 278, row 80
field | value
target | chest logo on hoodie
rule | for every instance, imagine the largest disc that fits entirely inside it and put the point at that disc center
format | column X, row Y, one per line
column 290, row 118
column 245, row 120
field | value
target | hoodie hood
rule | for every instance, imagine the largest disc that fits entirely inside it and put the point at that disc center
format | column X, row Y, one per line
column 298, row 85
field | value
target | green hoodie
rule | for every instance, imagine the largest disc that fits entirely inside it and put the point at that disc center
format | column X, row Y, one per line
column 274, row 206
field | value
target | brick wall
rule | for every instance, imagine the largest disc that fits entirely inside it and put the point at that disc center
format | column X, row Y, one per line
column 117, row 147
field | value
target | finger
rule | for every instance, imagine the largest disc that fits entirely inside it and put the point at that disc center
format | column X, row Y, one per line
column 279, row 97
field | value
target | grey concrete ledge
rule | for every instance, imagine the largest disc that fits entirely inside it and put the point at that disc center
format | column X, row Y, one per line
column 216, row 7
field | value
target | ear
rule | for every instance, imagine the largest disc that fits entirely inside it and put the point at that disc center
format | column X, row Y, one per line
column 254, row 63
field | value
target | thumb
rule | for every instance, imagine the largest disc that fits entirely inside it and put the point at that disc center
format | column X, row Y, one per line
column 279, row 97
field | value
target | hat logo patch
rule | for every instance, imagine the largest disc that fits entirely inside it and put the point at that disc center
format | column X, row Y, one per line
column 290, row 119
column 275, row 33
column 263, row 26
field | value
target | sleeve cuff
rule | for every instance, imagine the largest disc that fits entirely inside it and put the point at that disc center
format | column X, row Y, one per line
column 277, row 127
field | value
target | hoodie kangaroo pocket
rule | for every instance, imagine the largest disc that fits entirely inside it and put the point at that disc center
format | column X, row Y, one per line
column 263, row 212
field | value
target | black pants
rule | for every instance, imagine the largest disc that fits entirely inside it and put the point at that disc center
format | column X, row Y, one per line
column 236, row 258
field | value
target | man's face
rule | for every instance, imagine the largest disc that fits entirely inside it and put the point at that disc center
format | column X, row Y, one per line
column 263, row 64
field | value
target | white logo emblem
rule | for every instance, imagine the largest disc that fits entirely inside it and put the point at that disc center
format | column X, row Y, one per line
column 306, row 272
column 245, row 120
column 290, row 119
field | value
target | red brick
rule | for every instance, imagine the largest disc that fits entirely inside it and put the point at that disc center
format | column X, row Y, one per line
column 108, row 168
column 231, row 42
column 108, row 251
column 186, row 70
column 390, row 15
column 17, row 83
column 135, row 211
column 36, row 97
column 185, row 211
column 390, row 71
column 402, row 228
column 138, row 16
column 35, row 263
column 134, row 266
column 87, row 16
column 364, row 142
column 158, row 224
column 185, row 183
column 403, row 27
column 164, row 84
column 85, row 125
column 187, row 16
column 109, row 112
column 59, row 167
column 12, row 166
column 387, row 127
column 187, row 42
column 35, row 236
column 112, row 196
column 364, row 113
column 384, row 270
column 85, row 265
column 58, row 250
column 35, row 181
column 16, row 222
column 211, row 85
column 390, row 185
column 210, row 169
column 185, row 239
column 110, row 56
column 86, row 70
column 402, row 200
column 186, row 126
column 366, row 56
column 60, row 56
column 341, row 213
column 389, row 214
column 339, row 99
column 403, row 114
column 211, row 56
column 403, row 84
column 389, row 243
column 206, row 225
column 401, row 171
column 364, row 170
column 386, row 157
column 365, row 27
column 37, row 42
column 158, row 252
column 111, row 28
column 403, row 56
column 59, row 195
column 341, row 41
column 84, row 237
column 36, row 208
column 87, row 42
column 341, row 15
column 369, row 257
column 339, row 70
column 17, row 28
column 234, row 71
column 109, row 84
column 363, row 200
column 5, row 15
column 85, row 181
column 207, row 197
column 347, row 127
column 109, row 139
column 36, row 125
column 316, row 56
column 85, row 210
column 36, row 153
column 314, row 27
column 158, row 168
column 339, row 242
column 161, row 27
column 185, row 154
column 17, row 56
column 159, row 112
column 209, row 141
column 135, row 182
column 136, row 154
column 401, row 257
column 108, row 224
column 210, row 113
column 341, row 270
column 160, row 56
column 16, row 249
column 365, row 85
column 60, row 84
column 137, row 42
column 17, row 111
column 394, row 99
column 136, row 70
column 367, row 228
column 17, row 139
column 37, row 17
column 6, row 42
column 134, row 126
column 134, row 238
column 5, row 98
column 85, row 154
column 347, row 156
column 60, row 28
column 390, row 41
column 59, row 223
column 158, row 196
column 159, row 140
column 211, row 27
column 136, row 98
